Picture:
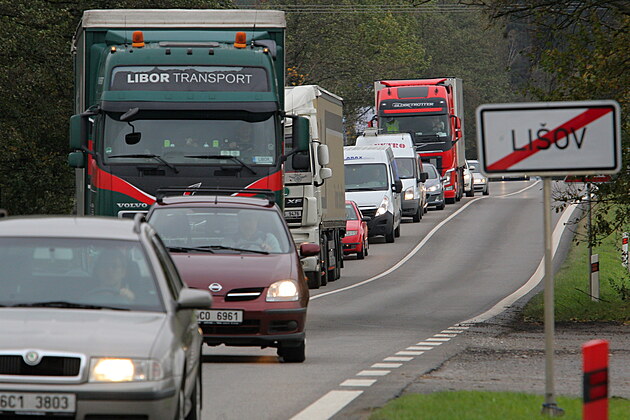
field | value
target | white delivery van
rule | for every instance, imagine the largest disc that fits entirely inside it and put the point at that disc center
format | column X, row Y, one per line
column 409, row 166
column 372, row 182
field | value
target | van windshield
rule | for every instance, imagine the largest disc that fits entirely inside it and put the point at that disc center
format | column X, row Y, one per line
column 406, row 167
column 366, row 177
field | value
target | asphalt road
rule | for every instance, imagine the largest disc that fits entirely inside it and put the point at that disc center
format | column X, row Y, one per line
column 390, row 316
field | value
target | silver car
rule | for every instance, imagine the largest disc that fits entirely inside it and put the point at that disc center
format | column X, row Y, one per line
column 95, row 322
column 480, row 181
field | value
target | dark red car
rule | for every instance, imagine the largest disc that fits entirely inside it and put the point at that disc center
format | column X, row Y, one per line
column 356, row 238
column 241, row 250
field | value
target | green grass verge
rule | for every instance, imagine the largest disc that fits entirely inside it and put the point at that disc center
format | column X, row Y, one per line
column 476, row 405
column 572, row 302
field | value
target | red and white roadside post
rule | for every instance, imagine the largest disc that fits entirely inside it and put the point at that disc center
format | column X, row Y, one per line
column 549, row 139
column 595, row 277
column 595, row 368
column 625, row 258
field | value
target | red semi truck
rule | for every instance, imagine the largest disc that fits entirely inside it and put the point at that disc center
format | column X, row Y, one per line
column 432, row 111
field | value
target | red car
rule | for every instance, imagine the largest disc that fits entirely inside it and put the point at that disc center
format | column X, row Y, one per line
column 240, row 249
column 356, row 238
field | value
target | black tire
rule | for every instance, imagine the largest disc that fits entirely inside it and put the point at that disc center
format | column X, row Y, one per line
column 390, row 237
column 448, row 200
column 397, row 232
column 314, row 279
column 366, row 247
column 441, row 206
column 418, row 216
column 361, row 255
column 197, row 395
column 486, row 191
column 324, row 264
column 470, row 193
column 293, row 354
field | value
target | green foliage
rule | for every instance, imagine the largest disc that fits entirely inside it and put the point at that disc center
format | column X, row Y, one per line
column 477, row 405
column 36, row 97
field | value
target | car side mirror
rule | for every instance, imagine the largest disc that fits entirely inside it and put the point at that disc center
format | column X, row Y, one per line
column 194, row 299
column 423, row 177
column 309, row 250
column 397, row 186
column 366, row 219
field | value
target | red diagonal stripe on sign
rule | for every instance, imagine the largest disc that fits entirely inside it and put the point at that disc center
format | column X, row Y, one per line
column 576, row 123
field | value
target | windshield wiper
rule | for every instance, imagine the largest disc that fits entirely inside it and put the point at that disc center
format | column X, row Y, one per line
column 64, row 304
column 230, row 248
column 234, row 158
column 148, row 155
column 188, row 249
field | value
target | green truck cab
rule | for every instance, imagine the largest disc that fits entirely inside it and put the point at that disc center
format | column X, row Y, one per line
column 177, row 98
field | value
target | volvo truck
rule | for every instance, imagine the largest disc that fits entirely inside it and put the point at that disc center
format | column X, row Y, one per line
column 315, row 202
column 432, row 110
column 177, row 98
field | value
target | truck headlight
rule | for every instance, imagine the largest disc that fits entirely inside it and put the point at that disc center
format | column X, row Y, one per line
column 105, row 369
column 283, row 291
column 382, row 208
column 409, row 194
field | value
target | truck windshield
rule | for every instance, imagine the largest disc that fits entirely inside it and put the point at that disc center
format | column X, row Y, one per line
column 406, row 167
column 366, row 177
column 192, row 141
column 430, row 128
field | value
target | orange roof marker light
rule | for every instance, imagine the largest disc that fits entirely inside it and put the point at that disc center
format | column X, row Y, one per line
column 241, row 40
column 137, row 39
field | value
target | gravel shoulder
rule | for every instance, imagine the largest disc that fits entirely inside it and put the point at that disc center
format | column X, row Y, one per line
column 506, row 354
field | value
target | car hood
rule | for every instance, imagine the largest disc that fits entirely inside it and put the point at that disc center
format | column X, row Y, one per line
column 233, row 271
column 478, row 175
column 366, row 199
column 88, row 332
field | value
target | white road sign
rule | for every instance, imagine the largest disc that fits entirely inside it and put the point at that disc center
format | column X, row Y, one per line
column 549, row 138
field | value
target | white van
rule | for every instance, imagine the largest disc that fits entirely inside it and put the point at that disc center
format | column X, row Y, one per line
column 409, row 166
column 372, row 182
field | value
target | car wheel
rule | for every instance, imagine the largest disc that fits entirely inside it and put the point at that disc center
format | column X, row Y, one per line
column 441, row 206
column 486, row 191
column 314, row 279
column 390, row 237
column 195, row 409
column 361, row 254
column 418, row 216
column 470, row 193
column 295, row 354
column 397, row 232
column 366, row 246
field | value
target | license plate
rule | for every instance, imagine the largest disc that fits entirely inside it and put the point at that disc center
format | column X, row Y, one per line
column 293, row 214
column 220, row 317
column 37, row 402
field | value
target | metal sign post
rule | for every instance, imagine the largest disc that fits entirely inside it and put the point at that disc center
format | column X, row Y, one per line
column 549, row 139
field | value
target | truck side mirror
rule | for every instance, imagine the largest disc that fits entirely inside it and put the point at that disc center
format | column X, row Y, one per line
column 301, row 161
column 76, row 160
column 398, row 186
column 423, row 176
column 78, row 136
column 325, row 173
column 323, row 155
column 300, row 134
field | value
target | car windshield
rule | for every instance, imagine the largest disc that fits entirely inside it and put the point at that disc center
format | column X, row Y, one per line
column 351, row 214
column 191, row 141
column 366, row 177
column 76, row 273
column 430, row 170
column 473, row 166
column 406, row 167
column 221, row 230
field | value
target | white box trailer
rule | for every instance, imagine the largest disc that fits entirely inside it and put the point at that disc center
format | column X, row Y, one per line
column 315, row 204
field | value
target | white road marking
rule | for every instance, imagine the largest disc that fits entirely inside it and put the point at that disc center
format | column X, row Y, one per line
column 374, row 373
column 426, row 343
column 409, row 353
column 445, row 335
column 452, row 332
column 423, row 348
column 327, row 406
column 397, row 359
column 459, row 327
column 386, row 365
column 358, row 382
column 535, row 279
column 517, row 192
column 438, row 339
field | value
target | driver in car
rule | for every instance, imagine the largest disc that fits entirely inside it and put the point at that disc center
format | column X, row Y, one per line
column 251, row 237
column 109, row 272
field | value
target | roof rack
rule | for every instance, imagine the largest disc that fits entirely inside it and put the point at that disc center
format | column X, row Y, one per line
column 252, row 192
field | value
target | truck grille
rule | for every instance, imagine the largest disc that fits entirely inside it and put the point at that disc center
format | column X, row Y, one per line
column 368, row 212
column 48, row 366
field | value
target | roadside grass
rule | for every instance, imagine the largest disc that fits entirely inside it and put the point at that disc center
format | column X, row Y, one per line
column 572, row 300
column 477, row 405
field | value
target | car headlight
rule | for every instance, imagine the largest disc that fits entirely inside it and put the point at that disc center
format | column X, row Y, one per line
column 409, row 193
column 382, row 208
column 433, row 188
column 351, row 232
column 105, row 369
column 480, row 180
column 283, row 291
